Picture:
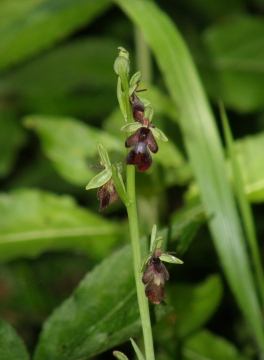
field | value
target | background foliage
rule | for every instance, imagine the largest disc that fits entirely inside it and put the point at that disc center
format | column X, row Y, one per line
column 57, row 101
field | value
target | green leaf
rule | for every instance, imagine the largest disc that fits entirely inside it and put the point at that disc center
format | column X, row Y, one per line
column 33, row 221
column 11, row 345
column 194, row 305
column 235, row 71
column 206, row 345
column 101, row 314
column 69, row 143
column 205, row 152
column 45, row 75
column 21, row 24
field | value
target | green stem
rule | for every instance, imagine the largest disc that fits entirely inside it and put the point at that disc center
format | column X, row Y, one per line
column 131, row 207
column 137, row 259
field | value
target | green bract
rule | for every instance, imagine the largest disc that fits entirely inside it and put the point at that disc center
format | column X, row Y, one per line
column 105, row 175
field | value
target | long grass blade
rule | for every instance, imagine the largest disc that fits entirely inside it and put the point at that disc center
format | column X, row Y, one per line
column 244, row 206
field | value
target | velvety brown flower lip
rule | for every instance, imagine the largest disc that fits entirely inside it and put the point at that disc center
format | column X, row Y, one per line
column 107, row 195
column 142, row 141
column 154, row 278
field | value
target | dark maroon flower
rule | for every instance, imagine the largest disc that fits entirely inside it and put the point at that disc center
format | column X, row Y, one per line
column 138, row 108
column 107, row 194
column 141, row 140
column 154, row 277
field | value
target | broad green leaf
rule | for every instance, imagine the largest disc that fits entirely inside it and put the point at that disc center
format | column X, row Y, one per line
column 65, row 69
column 235, row 70
column 206, row 345
column 101, row 314
column 11, row 345
column 22, row 22
column 205, row 152
column 194, row 305
column 11, row 130
column 33, row 221
column 71, row 144
column 61, row 80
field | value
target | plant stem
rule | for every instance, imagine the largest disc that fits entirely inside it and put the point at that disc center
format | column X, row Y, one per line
column 137, row 258
column 131, row 206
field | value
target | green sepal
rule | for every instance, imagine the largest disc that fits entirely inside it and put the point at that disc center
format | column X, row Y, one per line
column 135, row 78
column 144, row 101
column 157, row 243
column 159, row 134
column 149, row 111
column 144, row 262
column 137, row 350
column 131, row 127
column 153, row 237
column 100, row 179
column 133, row 84
column 170, row 258
column 119, row 184
column 103, row 155
column 119, row 355
column 132, row 89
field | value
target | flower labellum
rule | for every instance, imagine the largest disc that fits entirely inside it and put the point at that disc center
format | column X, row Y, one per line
column 154, row 277
column 141, row 140
column 107, row 195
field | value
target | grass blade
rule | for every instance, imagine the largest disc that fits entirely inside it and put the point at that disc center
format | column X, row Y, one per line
column 244, row 205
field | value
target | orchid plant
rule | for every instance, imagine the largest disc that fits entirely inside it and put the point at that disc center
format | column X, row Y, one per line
column 142, row 134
